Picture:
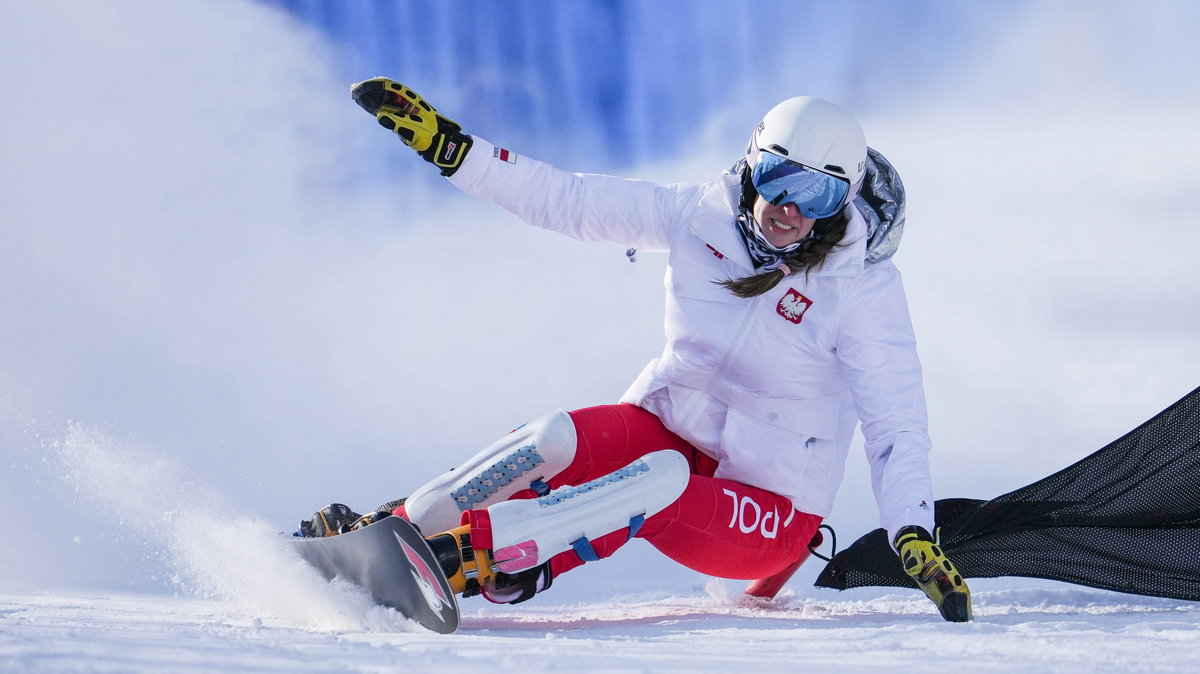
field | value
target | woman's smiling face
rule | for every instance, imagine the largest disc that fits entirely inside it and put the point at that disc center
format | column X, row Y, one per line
column 781, row 225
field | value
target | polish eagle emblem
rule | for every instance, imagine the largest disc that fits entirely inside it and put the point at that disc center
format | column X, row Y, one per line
column 793, row 305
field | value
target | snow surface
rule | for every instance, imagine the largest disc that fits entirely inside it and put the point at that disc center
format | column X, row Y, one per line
column 210, row 325
column 1021, row 630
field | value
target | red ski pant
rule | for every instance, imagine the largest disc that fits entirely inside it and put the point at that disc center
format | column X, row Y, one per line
column 717, row 527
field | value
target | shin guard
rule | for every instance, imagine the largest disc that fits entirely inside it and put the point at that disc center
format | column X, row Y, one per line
column 526, row 532
column 524, row 459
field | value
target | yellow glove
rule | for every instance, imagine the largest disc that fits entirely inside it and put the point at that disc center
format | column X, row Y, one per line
column 925, row 562
column 438, row 139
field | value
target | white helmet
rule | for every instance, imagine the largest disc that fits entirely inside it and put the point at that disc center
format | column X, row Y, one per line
column 824, row 139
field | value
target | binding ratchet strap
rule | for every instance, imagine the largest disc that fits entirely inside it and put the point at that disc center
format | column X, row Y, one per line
column 472, row 565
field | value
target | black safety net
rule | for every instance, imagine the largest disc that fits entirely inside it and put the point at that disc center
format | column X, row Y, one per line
column 1126, row 518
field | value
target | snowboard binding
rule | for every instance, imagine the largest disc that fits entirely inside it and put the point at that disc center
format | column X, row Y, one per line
column 470, row 571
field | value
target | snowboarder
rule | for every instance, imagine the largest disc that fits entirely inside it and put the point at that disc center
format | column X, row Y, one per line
column 786, row 324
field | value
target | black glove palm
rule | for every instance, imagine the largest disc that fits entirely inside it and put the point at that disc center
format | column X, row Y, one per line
column 438, row 139
column 925, row 562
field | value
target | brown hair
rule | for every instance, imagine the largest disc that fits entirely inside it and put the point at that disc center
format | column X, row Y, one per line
column 826, row 235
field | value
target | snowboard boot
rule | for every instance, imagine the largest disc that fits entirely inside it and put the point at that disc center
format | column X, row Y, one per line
column 337, row 518
column 331, row 520
column 526, row 458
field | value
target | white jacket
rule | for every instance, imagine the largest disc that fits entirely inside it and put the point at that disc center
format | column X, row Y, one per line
column 770, row 386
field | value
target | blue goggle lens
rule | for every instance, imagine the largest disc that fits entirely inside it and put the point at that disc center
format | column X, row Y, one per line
column 783, row 181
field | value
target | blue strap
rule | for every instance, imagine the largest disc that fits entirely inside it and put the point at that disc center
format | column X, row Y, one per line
column 540, row 488
column 583, row 548
column 635, row 525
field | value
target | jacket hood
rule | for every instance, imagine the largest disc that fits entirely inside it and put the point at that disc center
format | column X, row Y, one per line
column 881, row 203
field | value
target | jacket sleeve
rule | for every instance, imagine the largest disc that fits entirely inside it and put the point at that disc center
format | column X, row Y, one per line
column 583, row 206
column 878, row 351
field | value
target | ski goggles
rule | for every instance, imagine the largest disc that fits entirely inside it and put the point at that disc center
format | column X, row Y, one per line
column 783, row 181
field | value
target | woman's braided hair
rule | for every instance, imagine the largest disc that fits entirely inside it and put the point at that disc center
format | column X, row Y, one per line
column 826, row 235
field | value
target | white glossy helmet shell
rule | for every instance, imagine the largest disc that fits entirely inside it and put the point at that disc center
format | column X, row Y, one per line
column 816, row 133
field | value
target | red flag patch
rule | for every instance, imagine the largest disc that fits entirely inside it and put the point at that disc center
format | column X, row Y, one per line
column 505, row 155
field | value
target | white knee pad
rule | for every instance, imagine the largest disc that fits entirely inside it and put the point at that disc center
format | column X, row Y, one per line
column 528, row 532
column 529, row 456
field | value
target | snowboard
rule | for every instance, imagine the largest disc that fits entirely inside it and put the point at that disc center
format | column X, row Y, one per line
column 393, row 563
